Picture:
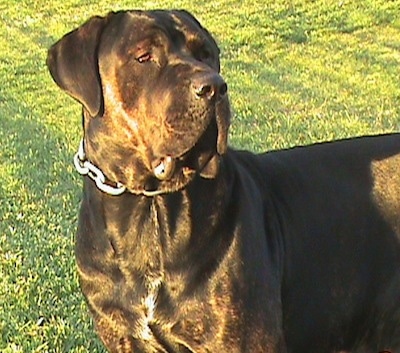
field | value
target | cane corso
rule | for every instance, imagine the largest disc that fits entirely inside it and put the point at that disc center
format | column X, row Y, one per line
column 186, row 245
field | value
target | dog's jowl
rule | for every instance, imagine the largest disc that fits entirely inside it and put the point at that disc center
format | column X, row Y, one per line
column 186, row 245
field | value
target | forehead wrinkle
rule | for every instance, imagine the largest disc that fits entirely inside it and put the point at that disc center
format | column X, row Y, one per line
column 191, row 30
column 195, row 35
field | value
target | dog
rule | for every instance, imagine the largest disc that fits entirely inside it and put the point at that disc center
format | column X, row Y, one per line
column 186, row 245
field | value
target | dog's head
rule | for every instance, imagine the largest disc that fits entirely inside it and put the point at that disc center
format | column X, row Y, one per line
column 156, row 111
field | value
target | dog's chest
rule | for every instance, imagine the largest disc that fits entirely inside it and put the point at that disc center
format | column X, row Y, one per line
column 149, row 253
column 163, row 315
column 144, row 290
column 150, row 276
column 148, row 309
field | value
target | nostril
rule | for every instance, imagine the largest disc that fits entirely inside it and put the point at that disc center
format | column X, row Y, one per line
column 223, row 89
column 209, row 86
column 209, row 91
column 205, row 90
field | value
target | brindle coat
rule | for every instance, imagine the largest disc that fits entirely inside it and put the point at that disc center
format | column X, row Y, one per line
column 288, row 251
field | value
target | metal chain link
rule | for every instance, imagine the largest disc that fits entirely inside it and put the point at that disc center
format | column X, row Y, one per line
column 84, row 167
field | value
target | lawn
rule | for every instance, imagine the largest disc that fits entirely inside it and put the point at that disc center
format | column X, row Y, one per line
column 298, row 72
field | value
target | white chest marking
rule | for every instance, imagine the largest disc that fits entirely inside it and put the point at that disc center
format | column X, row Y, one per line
column 149, row 304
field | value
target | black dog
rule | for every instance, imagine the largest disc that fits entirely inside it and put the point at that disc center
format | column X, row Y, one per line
column 185, row 245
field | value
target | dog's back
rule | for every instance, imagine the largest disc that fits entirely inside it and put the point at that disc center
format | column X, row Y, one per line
column 338, row 206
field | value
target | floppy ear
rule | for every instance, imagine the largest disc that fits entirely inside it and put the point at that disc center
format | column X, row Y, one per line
column 73, row 64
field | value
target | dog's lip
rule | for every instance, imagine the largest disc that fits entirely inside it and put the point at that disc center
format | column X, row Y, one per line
column 165, row 168
column 176, row 151
column 187, row 161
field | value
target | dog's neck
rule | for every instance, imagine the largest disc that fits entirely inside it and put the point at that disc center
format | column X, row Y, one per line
column 163, row 250
column 179, row 228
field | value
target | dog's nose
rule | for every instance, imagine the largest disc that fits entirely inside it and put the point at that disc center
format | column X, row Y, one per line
column 209, row 86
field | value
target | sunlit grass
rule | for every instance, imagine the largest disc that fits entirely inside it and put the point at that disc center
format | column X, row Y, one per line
column 298, row 73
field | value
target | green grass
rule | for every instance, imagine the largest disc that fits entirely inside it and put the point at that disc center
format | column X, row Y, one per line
column 299, row 73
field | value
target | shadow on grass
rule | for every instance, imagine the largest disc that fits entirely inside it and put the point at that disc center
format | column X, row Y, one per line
column 43, row 308
column 39, row 199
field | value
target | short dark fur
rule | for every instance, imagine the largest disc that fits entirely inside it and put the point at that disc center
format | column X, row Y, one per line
column 289, row 251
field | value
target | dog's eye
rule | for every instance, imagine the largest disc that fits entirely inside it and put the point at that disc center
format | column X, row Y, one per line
column 144, row 57
column 204, row 55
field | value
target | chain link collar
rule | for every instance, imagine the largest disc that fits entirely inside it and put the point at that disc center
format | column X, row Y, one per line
column 85, row 167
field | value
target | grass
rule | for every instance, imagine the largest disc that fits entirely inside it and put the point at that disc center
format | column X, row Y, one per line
column 298, row 72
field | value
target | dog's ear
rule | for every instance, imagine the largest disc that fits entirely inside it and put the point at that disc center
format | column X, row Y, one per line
column 73, row 64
